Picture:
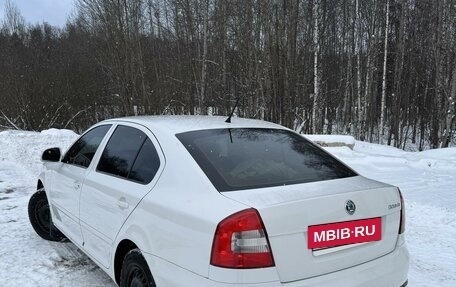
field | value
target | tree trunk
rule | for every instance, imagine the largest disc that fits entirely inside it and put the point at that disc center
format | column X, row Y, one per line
column 359, row 126
column 437, row 103
column 201, row 102
column 385, row 58
column 451, row 113
column 347, row 95
column 316, row 94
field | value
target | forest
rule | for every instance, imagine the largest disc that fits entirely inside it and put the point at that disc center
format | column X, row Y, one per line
column 381, row 70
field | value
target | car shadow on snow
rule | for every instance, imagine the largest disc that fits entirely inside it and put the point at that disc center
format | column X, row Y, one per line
column 73, row 265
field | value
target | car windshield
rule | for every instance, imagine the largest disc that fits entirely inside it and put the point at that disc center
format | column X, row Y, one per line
column 246, row 158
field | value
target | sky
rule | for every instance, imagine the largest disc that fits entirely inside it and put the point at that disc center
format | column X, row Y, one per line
column 54, row 12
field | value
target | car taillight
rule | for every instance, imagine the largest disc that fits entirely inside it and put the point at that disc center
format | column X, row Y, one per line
column 402, row 223
column 241, row 242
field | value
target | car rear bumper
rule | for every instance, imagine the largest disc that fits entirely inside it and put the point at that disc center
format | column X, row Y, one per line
column 387, row 271
column 167, row 274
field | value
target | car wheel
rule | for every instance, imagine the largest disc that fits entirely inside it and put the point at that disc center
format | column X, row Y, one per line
column 40, row 217
column 135, row 272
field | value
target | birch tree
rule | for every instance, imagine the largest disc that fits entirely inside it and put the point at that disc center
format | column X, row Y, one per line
column 385, row 59
column 359, row 112
column 450, row 113
column 316, row 47
column 201, row 100
column 13, row 21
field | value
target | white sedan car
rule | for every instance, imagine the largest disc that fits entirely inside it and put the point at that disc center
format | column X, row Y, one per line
column 198, row 201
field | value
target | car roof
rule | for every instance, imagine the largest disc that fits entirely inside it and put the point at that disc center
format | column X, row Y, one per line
column 180, row 124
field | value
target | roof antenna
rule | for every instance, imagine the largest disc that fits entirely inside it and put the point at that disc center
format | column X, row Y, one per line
column 228, row 120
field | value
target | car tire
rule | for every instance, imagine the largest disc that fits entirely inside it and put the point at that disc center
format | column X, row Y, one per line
column 135, row 271
column 40, row 217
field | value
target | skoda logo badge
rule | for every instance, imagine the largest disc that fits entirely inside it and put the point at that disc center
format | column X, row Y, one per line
column 350, row 207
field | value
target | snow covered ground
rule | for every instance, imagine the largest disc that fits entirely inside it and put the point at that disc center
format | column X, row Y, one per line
column 25, row 259
column 427, row 180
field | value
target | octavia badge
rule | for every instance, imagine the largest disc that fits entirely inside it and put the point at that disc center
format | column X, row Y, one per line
column 350, row 207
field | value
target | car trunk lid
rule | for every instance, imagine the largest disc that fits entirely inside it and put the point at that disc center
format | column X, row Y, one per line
column 288, row 211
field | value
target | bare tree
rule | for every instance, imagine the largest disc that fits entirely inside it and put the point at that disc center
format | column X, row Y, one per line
column 316, row 48
column 201, row 100
column 356, row 67
column 13, row 22
column 451, row 112
column 385, row 59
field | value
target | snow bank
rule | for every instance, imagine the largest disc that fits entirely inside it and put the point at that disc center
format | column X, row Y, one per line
column 332, row 140
column 428, row 181
column 58, row 133
column 26, row 147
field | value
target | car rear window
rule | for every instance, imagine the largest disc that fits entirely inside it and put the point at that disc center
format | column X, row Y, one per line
column 246, row 158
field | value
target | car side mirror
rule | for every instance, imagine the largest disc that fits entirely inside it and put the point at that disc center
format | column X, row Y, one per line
column 51, row 154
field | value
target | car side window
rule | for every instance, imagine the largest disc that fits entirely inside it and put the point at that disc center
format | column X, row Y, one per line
column 130, row 154
column 146, row 164
column 82, row 151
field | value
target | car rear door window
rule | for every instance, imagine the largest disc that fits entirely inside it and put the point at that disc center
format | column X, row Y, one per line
column 130, row 154
column 82, row 151
column 245, row 158
column 146, row 164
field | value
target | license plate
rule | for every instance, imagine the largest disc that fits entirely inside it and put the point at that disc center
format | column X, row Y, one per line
column 344, row 233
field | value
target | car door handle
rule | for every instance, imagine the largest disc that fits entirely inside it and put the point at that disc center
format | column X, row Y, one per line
column 77, row 185
column 122, row 203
